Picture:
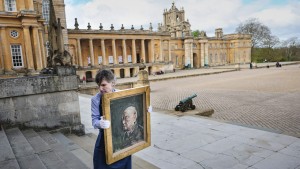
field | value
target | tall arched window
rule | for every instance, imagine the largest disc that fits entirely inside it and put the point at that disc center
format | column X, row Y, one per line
column 46, row 10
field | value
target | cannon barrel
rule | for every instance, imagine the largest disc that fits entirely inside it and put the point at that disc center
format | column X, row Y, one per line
column 187, row 99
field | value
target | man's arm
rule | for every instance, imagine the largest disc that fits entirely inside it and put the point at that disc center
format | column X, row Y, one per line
column 95, row 103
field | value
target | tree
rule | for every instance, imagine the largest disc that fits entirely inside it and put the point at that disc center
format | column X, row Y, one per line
column 196, row 33
column 258, row 31
column 261, row 38
column 291, row 48
column 268, row 44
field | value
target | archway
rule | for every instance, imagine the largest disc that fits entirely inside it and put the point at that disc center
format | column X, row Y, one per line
column 122, row 73
column 131, row 72
column 88, row 75
column 195, row 60
column 149, row 70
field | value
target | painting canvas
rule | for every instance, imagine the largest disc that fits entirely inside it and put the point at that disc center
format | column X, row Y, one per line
column 130, row 122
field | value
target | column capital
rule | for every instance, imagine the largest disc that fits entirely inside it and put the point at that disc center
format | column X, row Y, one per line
column 203, row 41
column 25, row 26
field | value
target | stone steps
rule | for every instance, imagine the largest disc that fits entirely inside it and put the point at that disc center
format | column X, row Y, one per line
column 39, row 150
column 87, row 142
column 23, row 149
column 7, row 157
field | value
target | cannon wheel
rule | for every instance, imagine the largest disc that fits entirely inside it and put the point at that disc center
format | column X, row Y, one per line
column 177, row 108
column 193, row 107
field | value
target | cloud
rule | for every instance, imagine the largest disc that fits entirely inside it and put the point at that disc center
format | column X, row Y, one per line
column 283, row 18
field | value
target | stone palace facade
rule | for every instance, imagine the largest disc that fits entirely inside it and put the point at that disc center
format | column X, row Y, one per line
column 23, row 30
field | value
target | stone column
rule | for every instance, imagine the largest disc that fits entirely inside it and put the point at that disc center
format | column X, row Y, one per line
column 116, row 60
column 28, row 48
column 170, row 57
column 30, row 5
column 6, row 63
column 21, row 5
column 161, row 51
column 206, row 50
column 202, row 54
column 187, row 52
column 133, row 51
column 143, row 49
column 37, row 49
column 1, row 5
column 42, row 46
column 92, row 56
column 1, row 56
column 153, row 59
column 127, row 72
column 124, row 51
column 104, row 60
column 188, row 45
column 192, row 57
column 117, row 72
column 79, row 53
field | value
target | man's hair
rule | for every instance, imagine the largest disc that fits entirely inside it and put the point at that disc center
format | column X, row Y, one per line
column 104, row 74
column 132, row 109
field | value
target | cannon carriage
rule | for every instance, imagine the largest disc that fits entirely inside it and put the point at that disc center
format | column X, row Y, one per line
column 186, row 104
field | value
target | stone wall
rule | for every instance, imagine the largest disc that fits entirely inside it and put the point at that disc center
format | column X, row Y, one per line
column 40, row 101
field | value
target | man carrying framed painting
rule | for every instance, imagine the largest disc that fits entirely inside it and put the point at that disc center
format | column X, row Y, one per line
column 106, row 82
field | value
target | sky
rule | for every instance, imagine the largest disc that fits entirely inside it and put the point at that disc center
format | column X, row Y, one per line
column 281, row 16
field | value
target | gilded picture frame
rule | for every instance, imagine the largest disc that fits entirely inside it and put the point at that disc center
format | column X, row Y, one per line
column 130, row 122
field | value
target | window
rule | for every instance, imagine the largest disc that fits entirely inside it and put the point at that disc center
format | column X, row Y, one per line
column 16, row 53
column 46, row 11
column 14, row 33
column 10, row 5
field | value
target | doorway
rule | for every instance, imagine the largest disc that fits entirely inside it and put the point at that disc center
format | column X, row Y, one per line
column 131, row 72
column 122, row 73
column 88, row 76
column 138, row 59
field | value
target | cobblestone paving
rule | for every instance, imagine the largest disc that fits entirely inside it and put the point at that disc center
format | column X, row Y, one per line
column 261, row 98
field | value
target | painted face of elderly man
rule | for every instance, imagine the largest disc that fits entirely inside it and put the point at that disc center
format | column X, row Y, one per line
column 133, row 131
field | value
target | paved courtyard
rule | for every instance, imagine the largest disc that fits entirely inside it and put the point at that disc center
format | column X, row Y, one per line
column 261, row 98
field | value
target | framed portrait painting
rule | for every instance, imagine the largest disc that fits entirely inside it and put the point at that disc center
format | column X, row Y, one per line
column 130, row 122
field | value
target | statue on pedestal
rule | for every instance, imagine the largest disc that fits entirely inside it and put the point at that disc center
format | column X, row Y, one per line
column 58, row 56
column 59, row 60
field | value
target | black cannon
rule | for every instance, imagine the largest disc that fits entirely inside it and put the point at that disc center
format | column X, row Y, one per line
column 186, row 104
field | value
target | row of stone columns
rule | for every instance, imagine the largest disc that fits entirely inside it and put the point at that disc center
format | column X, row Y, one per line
column 189, row 52
column 124, row 52
column 204, row 51
column 35, row 50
